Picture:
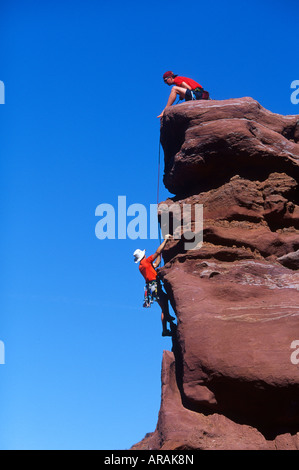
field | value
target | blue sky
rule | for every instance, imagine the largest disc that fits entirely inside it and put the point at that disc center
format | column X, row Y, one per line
column 83, row 87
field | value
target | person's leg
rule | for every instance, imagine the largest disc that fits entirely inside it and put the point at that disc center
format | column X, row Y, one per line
column 164, row 324
column 176, row 90
column 165, row 315
column 163, row 302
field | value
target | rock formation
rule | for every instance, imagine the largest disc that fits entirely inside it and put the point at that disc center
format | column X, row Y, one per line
column 229, row 381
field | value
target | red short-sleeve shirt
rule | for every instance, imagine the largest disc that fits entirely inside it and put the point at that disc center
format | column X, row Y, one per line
column 179, row 80
column 147, row 269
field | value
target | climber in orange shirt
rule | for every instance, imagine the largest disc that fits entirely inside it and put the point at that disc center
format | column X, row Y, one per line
column 153, row 288
column 187, row 89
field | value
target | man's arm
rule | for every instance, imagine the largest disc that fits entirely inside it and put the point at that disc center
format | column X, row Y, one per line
column 157, row 254
column 184, row 85
column 157, row 262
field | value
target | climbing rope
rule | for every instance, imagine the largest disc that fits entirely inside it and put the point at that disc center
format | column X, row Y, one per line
column 159, row 164
column 158, row 186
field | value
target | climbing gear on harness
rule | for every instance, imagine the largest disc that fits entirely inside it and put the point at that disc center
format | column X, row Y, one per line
column 150, row 293
column 200, row 93
column 205, row 95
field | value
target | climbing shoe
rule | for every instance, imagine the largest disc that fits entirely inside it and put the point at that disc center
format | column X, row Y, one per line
column 166, row 333
column 170, row 318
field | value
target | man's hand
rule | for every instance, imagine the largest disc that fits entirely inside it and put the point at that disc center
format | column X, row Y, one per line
column 161, row 247
column 168, row 237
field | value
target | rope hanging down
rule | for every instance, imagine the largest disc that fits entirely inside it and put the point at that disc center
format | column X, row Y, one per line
column 158, row 187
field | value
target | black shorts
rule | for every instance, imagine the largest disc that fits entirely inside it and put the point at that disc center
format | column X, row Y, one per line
column 193, row 95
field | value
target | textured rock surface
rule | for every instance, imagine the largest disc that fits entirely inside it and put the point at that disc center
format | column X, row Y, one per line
column 180, row 428
column 229, row 382
column 236, row 322
column 210, row 141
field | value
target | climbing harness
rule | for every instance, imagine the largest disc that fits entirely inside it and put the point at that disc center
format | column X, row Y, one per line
column 150, row 293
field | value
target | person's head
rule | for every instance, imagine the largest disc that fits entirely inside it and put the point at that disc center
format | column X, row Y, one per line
column 169, row 77
column 138, row 255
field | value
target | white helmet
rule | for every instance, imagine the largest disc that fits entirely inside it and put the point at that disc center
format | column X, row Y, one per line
column 138, row 255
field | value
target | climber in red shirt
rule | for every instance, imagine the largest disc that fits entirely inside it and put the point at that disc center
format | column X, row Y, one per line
column 153, row 288
column 185, row 87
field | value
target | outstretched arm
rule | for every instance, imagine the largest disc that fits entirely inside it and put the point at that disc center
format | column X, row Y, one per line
column 157, row 254
column 176, row 90
column 157, row 262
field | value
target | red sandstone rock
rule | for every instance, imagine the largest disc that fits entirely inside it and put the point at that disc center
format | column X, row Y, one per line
column 260, row 215
column 207, row 142
column 230, row 382
column 236, row 323
column 290, row 260
column 179, row 428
